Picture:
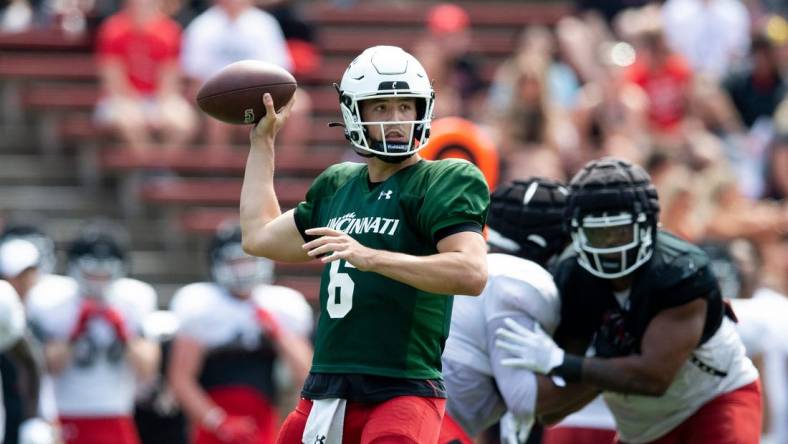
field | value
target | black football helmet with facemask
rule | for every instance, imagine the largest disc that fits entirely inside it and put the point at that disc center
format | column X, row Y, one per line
column 612, row 211
column 231, row 267
column 96, row 259
column 526, row 219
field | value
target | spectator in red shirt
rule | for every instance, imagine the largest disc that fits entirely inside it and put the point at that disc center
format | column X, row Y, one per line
column 138, row 50
column 665, row 77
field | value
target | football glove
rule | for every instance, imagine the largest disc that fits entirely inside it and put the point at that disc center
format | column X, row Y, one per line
column 532, row 350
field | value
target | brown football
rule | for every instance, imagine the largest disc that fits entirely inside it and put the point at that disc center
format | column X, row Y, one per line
column 235, row 94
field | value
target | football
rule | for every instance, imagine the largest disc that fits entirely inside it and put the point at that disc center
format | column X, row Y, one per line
column 235, row 94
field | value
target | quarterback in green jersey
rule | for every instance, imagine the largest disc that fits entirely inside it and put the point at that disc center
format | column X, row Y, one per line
column 398, row 235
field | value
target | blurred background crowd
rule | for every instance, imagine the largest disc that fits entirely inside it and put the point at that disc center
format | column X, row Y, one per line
column 99, row 120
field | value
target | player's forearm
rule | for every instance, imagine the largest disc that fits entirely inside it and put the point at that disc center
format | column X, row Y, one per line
column 259, row 204
column 554, row 403
column 144, row 356
column 297, row 354
column 629, row 375
column 443, row 273
column 194, row 401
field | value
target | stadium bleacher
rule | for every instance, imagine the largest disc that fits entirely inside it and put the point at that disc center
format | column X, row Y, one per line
column 49, row 88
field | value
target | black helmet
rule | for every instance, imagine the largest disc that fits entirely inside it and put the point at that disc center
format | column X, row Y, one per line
column 231, row 267
column 613, row 212
column 526, row 219
column 96, row 259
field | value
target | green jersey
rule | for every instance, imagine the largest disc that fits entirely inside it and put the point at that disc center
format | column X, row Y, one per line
column 370, row 324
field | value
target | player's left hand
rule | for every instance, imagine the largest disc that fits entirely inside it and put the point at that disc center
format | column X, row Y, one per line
column 532, row 350
column 338, row 245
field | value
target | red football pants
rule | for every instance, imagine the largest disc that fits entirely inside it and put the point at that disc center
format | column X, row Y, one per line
column 577, row 435
column 452, row 433
column 731, row 418
column 107, row 430
column 400, row 420
column 242, row 401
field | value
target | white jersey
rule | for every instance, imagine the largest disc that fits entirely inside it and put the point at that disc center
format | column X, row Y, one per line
column 763, row 329
column 595, row 415
column 211, row 315
column 641, row 419
column 516, row 288
column 213, row 40
column 99, row 381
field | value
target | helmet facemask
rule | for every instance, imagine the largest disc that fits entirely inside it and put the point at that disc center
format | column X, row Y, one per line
column 95, row 275
column 612, row 245
column 239, row 272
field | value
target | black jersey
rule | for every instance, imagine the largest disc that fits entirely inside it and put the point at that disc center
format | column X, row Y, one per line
column 677, row 273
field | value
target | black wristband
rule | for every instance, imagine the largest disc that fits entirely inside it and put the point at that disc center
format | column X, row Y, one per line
column 571, row 370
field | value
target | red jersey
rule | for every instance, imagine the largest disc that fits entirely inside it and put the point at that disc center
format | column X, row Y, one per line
column 667, row 88
column 142, row 49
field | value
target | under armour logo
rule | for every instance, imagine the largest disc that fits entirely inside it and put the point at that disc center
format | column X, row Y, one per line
column 386, row 194
column 320, row 439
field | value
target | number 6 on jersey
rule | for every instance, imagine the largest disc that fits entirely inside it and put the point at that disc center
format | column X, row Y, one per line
column 340, row 291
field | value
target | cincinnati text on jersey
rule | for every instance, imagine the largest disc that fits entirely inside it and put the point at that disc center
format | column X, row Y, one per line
column 350, row 224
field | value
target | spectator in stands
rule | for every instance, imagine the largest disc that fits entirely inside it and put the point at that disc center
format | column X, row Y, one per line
column 758, row 89
column 299, row 34
column 444, row 51
column 529, row 129
column 777, row 159
column 713, row 35
column 663, row 75
column 233, row 332
column 230, row 31
column 138, row 50
column 15, row 16
column 91, row 330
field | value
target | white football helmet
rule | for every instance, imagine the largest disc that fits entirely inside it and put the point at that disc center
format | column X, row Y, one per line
column 381, row 72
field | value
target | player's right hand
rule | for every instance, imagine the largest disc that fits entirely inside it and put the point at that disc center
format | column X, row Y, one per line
column 88, row 310
column 267, row 128
column 531, row 350
column 237, row 430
